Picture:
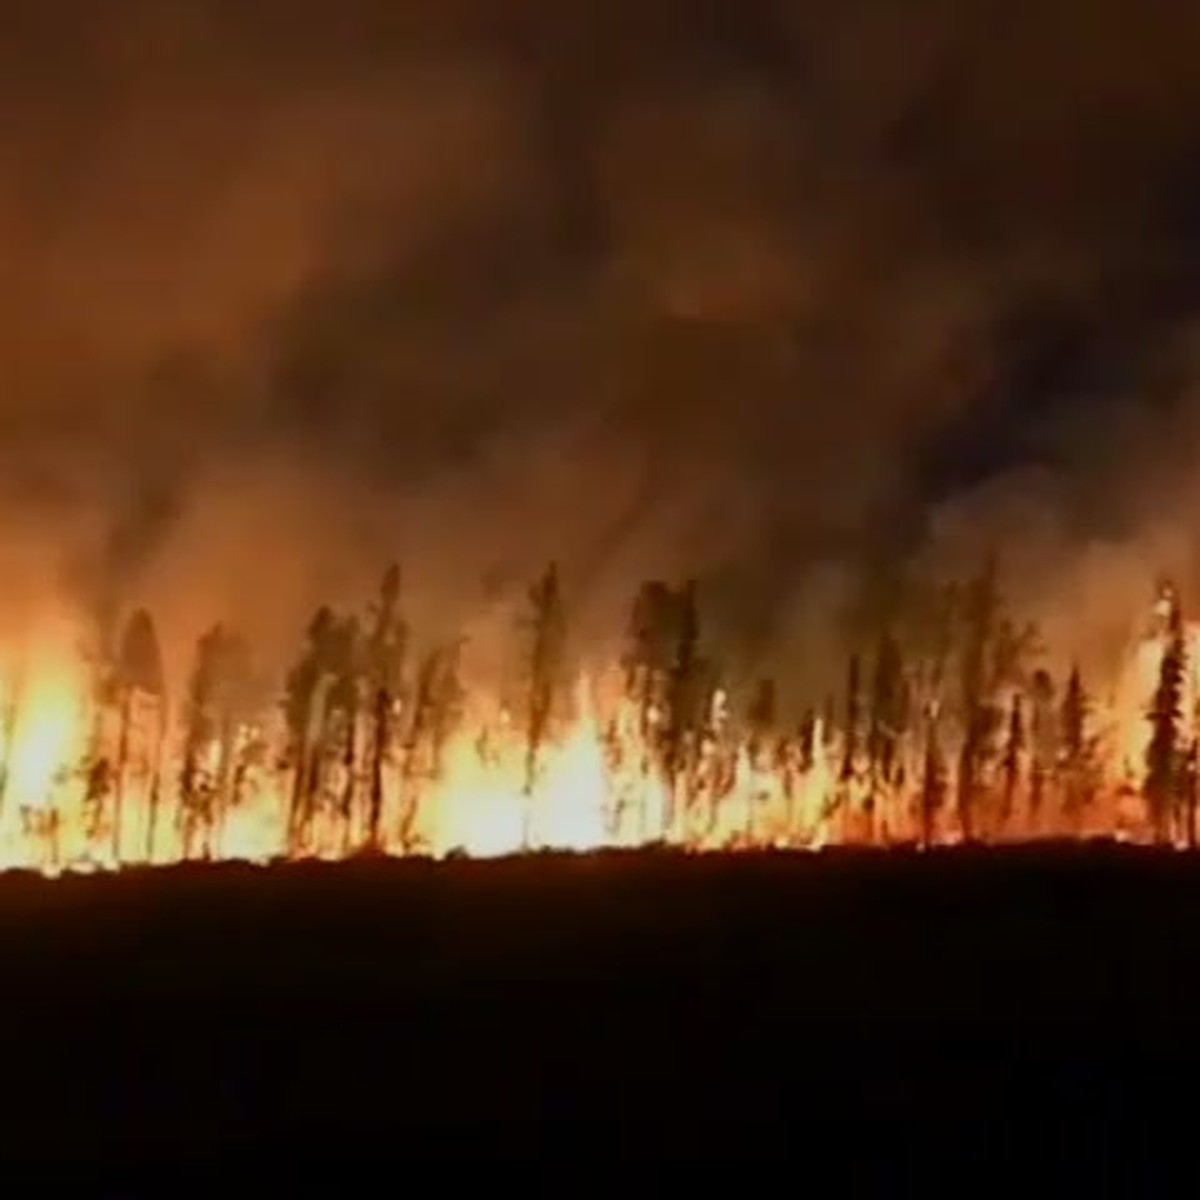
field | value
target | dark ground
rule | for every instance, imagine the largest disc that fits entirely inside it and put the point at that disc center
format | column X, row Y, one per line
column 629, row 1001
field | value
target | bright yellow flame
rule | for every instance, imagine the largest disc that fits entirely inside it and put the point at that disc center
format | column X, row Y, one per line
column 47, row 731
column 1135, row 696
column 595, row 782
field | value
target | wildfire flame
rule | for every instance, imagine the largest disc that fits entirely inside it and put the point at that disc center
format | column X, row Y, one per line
column 597, row 780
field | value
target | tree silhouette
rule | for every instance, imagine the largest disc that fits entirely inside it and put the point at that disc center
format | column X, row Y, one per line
column 807, row 737
column 1191, row 792
column 436, row 711
column 1043, row 739
column 1014, row 747
column 139, row 673
column 1163, row 753
column 978, row 714
column 1076, row 750
column 852, row 729
column 933, row 777
column 386, row 649
column 197, row 789
column 654, row 650
column 304, row 714
column 888, row 716
column 685, row 696
column 547, row 626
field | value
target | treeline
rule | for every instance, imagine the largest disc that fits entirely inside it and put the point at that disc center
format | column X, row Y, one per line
column 948, row 725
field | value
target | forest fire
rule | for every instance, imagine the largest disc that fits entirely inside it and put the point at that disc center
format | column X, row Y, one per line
column 963, row 738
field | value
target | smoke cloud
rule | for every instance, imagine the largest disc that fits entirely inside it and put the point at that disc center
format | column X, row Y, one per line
column 775, row 294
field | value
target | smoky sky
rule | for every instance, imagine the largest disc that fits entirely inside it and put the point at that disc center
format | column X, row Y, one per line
column 774, row 294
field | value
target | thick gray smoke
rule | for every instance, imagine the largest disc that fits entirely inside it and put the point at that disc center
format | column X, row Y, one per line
column 770, row 293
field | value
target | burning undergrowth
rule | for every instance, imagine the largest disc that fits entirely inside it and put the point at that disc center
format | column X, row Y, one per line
column 949, row 727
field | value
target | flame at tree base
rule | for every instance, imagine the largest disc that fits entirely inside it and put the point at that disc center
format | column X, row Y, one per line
column 95, row 779
column 583, row 797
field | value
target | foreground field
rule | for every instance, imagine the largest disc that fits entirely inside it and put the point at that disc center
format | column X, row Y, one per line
column 652, row 995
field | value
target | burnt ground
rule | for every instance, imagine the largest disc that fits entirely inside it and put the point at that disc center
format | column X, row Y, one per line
column 623, row 1001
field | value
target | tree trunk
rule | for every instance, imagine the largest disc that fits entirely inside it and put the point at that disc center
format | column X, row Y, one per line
column 122, row 768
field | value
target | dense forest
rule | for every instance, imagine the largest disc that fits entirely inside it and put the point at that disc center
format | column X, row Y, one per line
column 949, row 727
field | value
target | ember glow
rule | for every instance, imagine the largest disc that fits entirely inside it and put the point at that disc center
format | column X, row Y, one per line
column 369, row 752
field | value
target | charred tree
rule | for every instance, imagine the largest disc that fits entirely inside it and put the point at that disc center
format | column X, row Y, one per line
column 653, row 649
column 205, row 735
column 851, row 746
column 449, row 696
column 933, row 778
column 683, row 702
column 235, row 695
column 547, row 627
column 340, row 735
column 886, row 719
column 807, row 737
column 1043, row 739
column 382, row 739
column 978, row 714
column 8, row 728
column 386, row 648
column 99, row 766
column 1191, row 790
column 933, row 627
column 1077, row 767
column 685, row 699
column 424, row 704
column 304, row 714
column 214, row 712
column 1074, row 716
column 197, row 787
column 852, row 730
column 141, row 696
column 1166, row 715
column 436, row 710
column 1014, row 748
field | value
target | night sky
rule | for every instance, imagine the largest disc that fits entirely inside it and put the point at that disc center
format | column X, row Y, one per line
column 779, row 294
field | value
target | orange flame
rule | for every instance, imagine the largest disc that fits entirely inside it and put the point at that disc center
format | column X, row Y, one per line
column 597, row 782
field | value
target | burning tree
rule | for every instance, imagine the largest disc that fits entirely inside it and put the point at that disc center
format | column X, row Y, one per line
column 648, row 663
column 1014, row 749
column 806, row 735
column 1077, row 752
column 436, row 712
column 1191, row 792
column 215, row 709
column 304, row 712
column 979, row 717
column 848, row 772
column 1043, row 741
column 683, row 702
column 687, row 699
column 1163, row 756
column 341, row 736
column 943, row 721
column 933, row 622
column 547, row 630
column 933, row 776
column 887, row 720
column 386, row 648
column 140, row 695
column 850, row 729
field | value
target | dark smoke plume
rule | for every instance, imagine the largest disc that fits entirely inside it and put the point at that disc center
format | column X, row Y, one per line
column 777, row 294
